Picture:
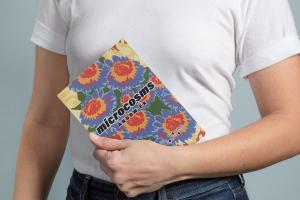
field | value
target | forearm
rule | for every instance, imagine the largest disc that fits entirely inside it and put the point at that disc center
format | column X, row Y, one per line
column 271, row 139
column 40, row 152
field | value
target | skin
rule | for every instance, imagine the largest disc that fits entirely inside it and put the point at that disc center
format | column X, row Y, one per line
column 144, row 166
column 45, row 129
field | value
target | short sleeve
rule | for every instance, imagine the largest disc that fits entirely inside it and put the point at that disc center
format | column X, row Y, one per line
column 268, row 35
column 51, row 26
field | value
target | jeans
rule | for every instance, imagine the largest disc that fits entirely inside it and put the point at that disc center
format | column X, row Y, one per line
column 86, row 187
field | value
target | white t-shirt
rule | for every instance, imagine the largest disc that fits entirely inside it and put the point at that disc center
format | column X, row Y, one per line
column 193, row 46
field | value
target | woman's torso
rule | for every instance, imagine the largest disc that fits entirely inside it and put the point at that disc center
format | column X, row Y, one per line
column 189, row 45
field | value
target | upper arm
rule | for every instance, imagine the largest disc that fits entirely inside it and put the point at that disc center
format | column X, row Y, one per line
column 277, row 88
column 50, row 77
column 268, row 49
column 51, row 72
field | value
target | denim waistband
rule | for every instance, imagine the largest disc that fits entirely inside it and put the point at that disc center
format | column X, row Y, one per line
column 96, row 185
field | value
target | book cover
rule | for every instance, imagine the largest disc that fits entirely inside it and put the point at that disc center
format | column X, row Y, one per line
column 119, row 96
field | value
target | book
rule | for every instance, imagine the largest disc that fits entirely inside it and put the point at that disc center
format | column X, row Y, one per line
column 119, row 96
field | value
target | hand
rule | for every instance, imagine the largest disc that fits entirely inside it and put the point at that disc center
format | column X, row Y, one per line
column 135, row 166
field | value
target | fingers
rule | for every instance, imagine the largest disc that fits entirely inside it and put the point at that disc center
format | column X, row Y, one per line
column 108, row 143
column 107, row 158
column 106, row 170
column 136, row 191
column 102, row 155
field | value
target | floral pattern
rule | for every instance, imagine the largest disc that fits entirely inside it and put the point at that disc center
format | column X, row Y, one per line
column 118, row 96
column 124, row 73
column 96, row 107
column 94, row 77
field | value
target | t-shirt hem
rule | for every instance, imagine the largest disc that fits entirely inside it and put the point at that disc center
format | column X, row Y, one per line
column 268, row 56
column 48, row 39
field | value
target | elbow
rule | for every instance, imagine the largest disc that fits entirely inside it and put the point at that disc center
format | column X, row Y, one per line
column 55, row 120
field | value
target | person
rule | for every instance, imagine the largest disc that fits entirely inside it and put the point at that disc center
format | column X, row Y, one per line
column 194, row 47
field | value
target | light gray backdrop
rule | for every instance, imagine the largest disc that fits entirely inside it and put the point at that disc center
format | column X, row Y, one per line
column 278, row 182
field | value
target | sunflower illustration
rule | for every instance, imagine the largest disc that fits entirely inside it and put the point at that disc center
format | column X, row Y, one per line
column 96, row 107
column 93, row 77
column 124, row 73
column 174, row 126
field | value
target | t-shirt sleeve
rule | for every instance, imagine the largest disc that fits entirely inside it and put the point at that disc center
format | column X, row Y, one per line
column 268, row 35
column 50, row 26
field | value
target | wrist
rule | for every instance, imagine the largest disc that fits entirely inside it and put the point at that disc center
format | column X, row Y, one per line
column 177, row 163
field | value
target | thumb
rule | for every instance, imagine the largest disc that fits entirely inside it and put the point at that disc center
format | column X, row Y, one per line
column 108, row 143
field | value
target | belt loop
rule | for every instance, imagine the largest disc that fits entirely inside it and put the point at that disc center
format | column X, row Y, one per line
column 86, row 180
column 241, row 176
column 162, row 193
